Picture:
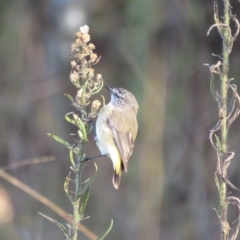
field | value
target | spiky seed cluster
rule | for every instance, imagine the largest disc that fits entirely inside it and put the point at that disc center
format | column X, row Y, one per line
column 82, row 74
column 96, row 104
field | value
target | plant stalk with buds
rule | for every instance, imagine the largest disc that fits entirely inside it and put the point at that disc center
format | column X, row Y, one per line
column 88, row 84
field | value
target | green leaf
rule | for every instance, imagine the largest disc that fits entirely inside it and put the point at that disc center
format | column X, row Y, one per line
column 65, row 186
column 58, row 139
column 86, row 191
column 72, row 159
column 81, row 126
column 84, row 200
column 58, row 224
column 106, row 233
column 69, row 97
column 217, row 183
column 79, row 123
column 68, row 118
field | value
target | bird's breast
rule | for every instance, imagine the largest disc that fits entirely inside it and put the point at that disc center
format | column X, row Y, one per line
column 104, row 135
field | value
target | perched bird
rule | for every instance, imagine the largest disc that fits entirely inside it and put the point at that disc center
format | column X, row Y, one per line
column 116, row 130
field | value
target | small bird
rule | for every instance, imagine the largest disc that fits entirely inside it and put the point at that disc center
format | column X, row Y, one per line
column 116, row 130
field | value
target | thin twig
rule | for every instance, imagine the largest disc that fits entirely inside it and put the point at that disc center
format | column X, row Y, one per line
column 226, row 118
column 30, row 161
column 218, row 25
column 46, row 202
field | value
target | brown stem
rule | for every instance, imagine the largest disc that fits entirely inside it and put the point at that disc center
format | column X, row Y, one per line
column 46, row 202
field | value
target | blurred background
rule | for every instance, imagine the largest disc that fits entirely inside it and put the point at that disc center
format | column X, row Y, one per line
column 155, row 49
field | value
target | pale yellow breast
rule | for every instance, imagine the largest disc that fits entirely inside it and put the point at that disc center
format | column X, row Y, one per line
column 103, row 133
column 104, row 136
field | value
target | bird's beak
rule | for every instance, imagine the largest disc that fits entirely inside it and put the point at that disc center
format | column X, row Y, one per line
column 108, row 88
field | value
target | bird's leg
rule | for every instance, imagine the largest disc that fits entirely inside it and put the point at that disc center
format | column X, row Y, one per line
column 87, row 159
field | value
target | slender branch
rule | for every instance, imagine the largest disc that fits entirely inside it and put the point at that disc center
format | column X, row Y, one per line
column 28, row 162
column 76, row 202
column 46, row 202
column 224, row 127
column 226, row 117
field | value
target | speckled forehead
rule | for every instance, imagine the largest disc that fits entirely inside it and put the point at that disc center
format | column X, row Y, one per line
column 120, row 90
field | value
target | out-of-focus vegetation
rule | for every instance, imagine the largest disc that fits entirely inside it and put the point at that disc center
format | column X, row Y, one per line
column 156, row 49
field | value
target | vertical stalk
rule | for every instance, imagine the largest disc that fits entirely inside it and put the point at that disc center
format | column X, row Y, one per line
column 226, row 118
column 76, row 202
column 224, row 76
column 224, row 128
column 84, row 79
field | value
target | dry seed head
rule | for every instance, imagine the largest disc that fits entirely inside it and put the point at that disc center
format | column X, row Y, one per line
column 82, row 60
column 91, row 46
column 85, row 37
column 80, row 56
column 75, row 116
column 84, row 29
column 79, row 41
column 74, row 77
column 93, row 57
column 73, row 47
column 78, row 35
column 99, row 77
column 73, row 64
column 96, row 104
column 91, row 72
column 79, row 96
column 85, row 51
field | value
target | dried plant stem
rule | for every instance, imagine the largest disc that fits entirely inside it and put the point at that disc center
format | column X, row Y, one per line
column 224, row 128
column 46, row 202
column 26, row 162
column 76, row 203
column 88, row 84
column 220, row 144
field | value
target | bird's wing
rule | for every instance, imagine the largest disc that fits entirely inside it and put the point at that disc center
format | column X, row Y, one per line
column 123, row 134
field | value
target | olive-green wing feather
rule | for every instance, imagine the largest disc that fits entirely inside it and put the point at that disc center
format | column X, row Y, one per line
column 124, row 128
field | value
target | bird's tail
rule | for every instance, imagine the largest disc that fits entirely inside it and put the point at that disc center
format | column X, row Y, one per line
column 119, row 168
